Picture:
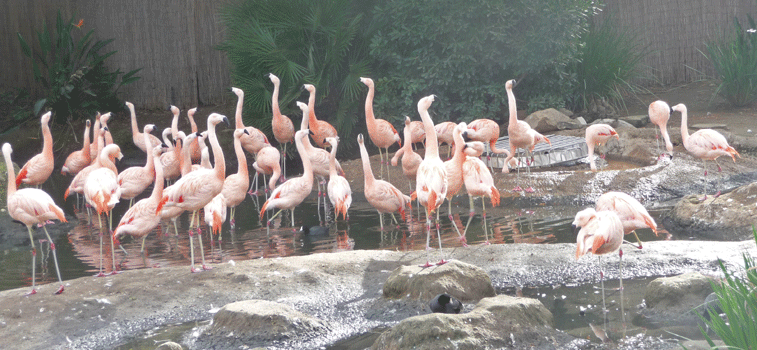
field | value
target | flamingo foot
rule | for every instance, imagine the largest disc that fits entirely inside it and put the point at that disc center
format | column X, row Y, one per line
column 602, row 156
column 517, row 189
column 530, row 189
column 232, row 223
column 114, row 273
column 450, row 217
column 194, row 270
column 427, row 264
column 34, row 291
column 100, row 275
column 282, row 180
column 60, row 290
column 441, row 262
column 717, row 194
column 702, row 199
column 206, row 267
column 486, row 243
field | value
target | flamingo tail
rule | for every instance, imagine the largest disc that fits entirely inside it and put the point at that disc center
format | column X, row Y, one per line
column 495, row 196
column 58, row 212
column 21, row 176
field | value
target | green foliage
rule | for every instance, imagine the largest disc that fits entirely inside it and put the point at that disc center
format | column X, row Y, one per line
column 464, row 52
column 735, row 62
column 610, row 58
column 13, row 107
column 70, row 67
column 302, row 42
column 738, row 302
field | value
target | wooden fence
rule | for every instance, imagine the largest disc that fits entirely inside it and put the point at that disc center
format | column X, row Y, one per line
column 173, row 41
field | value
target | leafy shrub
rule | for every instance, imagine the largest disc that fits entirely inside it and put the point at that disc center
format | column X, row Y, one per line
column 300, row 41
column 735, row 62
column 465, row 51
column 71, row 70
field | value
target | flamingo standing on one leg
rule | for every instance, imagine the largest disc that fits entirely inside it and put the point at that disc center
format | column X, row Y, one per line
column 338, row 188
column 380, row 131
column 596, row 135
column 632, row 214
column 235, row 184
column 102, row 192
column 705, row 144
column 283, row 128
column 78, row 160
column 410, row 159
column 196, row 189
column 444, row 135
column 600, row 233
column 135, row 180
column 659, row 114
column 478, row 182
column 291, row 193
column 136, row 136
column 144, row 216
column 32, row 206
column 454, row 168
column 380, row 194
column 431, row 180
column 40, row 167
column 321, row 129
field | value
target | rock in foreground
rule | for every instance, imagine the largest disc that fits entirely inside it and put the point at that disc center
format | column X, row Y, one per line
column 464, row 281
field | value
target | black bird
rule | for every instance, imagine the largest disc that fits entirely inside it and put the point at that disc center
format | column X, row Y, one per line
column 446, row 304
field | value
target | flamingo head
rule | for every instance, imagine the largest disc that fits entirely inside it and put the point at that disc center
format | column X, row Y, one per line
column 304, row 107
column 7, row 149
column 239, row 132
column 149, row 128
column 583, row 218
column 113, row 151
column 46, row 117
column 473, row 148
column 89, row 123
column 158, row 150
column 274, row 79
column 510, row 84
column 367, row 81
column 360, row 139
column 129, row 105
column 104, row 119
column 309, row 87
column 407, row 121
column 238, row 92
column 191, row 112
column 679, row 108
column 425, row 103
column 301, row 134
column 333, row 141
column 215, row 119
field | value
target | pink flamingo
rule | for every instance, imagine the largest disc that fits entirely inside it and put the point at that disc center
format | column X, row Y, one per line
column 417, row 133
column 478, row 182
column 659, row 114
column 410, row 159
column 32, row 206
column 135, row 180
column 486, row 131
column 194, row 147
column 235, row 184
column 37, row 169
column 454, row 168
column 106, row 132
column 534, row 137
column 705, row 144
column 102, row 192
column 144, row 216
column 283, row 128
column 196, row 189
column 137, row 136
column 321, row 129
column 600, row 233
column 77, row 183
column 431, row 180
column 293, row 192
column 380, row 194
column 338, row 188
column 444, row 135
column 215, row 215
column 77, row 160
column 517, row 131
column 170, row 161
column 380, row 131
column 266, row 163
column 173, row 213
column 596, row 135
column 94, row 151
column 254, row 140
column 632, row 214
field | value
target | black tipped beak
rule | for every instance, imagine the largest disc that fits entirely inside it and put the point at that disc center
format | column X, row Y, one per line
column 163, row 145
column 267, row 75
column 231, row 89
column 226, row 120
column 302, row 88
column 154, row 131
column 246, row 132
column 465, row 145
column 105, row 128
column 168, row 108
column 311, row 133
column 465, row 136
column 575, row 229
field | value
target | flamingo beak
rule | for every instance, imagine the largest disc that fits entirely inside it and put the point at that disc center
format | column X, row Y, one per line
column 465, row 137
column 246, row 132
column 226, row 120
column 311, row 133
column 576, row 229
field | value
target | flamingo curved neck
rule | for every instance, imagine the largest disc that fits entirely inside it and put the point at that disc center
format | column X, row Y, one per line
column 684, row 126
column 134, row 126
column 192, row 123
column 311, row 107
column 332, row 163
column 370, row 119
column 238, row 113
column 307, row 170
column 275, row 101
column 157, row 190
column 432, row 143
column 149, row 165
column 175, row 126
column 241, row 158
column 11, row 175
column 220, row 162
column 47, row 141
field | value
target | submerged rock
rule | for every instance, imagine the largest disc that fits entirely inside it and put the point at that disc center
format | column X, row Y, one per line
column 169, row 346
column 464, row 281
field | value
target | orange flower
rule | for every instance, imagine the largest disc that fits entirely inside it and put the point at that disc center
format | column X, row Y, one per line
column 80, row 24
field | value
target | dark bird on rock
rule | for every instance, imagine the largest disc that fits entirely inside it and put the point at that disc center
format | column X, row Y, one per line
column 445, row 303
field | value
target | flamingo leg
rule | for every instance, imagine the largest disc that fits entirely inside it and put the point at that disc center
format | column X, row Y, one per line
column 100, row 225
column 704, row 162
column 452, row 220
column 471, row 213
column 112, row 245
column 439, row 236
column 142, row 250
column 381, row 160
column 191, row 241
column 265, row 186
column 231, row 219
column 428, row 240
column 486, row 231
column 34, row 262
column 602, row 284
column 253, row 185
column 55, row 258
column 292, row 217
column 395, row 220
column 719, row 184
column 388, row 177
column 620, row 276
column 381, row 220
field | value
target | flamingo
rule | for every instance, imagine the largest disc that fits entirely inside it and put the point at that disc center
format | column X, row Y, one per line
column 601, row 232
column 659, row 114
column 170, row 161
column 380, row 194
column 444, row 135
column 235, row 184
column 32, row 206
column 215, row 214
column 454, row 168
column 194, row 147
column 291, row 193
column 102, row 192
column 106, row 132
column 533, row 137
column 267, row 163
column 486, row 131
column 321, row 129
column 283, row 128
column 77, row 160
column 196, row 189
column 255, row 139
column 431, row 179
column 77, row 183
column 37, row 169
column 173, row 213
column 338, row 188
column 410, row 159
column 135, row 180
column 94, row 151
column 380, row 131
column 144, row 216
column 417, row 133
column 137, row 136
column 517, row 131
column 596, row 135
column 632, row 214
column 478, row 182
column 705, row 144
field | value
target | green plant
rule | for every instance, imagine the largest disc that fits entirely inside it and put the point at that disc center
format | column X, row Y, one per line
column 463, row 52
column 70, row 67
column 735, row 61
column 317, row 42
column 610, row 58
column 738, row 301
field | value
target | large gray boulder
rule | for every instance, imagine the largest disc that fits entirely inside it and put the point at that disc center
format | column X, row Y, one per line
column 677, row 294
column 638, row 121
column 464, row 281
column 252, row 322
column 729, row 217
column 550, row 120
column 498, row 322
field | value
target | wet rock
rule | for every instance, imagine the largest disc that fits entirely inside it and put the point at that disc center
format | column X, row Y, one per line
column 251, row 321
column 638, row 121
column 464, row 281
column 549, row 120
column 702, row 345
column 677, row 294
column 615, row 123
column 728, row 217
column 501, row 321
column 169, row 346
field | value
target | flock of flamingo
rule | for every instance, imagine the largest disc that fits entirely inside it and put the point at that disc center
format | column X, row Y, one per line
column 184, row 162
